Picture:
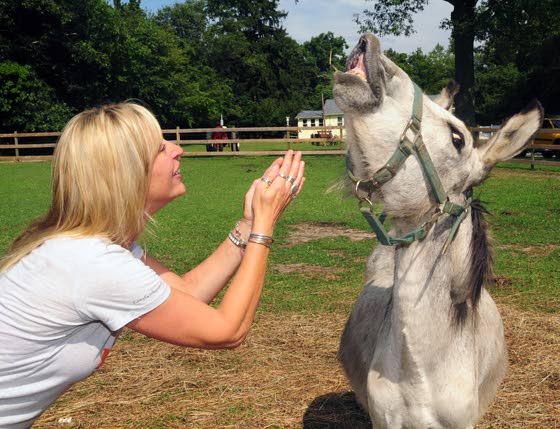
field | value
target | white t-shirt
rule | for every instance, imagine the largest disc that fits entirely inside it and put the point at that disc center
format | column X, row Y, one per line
column 61, row 309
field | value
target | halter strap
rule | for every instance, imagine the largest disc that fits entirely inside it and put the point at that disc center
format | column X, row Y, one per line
column 411, row 141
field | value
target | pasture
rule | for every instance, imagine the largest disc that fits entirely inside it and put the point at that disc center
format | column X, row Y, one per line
column 286, row 374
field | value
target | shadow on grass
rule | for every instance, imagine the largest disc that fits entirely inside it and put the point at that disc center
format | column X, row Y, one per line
column 337, row 410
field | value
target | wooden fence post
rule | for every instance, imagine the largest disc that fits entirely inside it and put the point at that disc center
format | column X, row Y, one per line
column 177, row 135
column 16, row 143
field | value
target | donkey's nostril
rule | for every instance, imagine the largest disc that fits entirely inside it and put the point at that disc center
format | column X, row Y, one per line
column 363, row 45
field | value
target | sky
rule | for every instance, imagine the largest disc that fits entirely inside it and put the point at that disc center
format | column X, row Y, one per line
column 309, row 18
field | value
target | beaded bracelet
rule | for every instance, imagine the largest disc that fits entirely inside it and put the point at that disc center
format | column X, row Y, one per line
column 265, row 240
column 236, row 237
column 237, row 241
column 236, row 231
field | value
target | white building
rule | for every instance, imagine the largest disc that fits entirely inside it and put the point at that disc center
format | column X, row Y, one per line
column 314, row 118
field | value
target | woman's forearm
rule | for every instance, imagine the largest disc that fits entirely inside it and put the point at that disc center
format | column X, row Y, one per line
column 207, row 279
column 243, row 295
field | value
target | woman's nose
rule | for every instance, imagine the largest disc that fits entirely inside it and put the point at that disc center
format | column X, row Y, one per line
column 177, row 151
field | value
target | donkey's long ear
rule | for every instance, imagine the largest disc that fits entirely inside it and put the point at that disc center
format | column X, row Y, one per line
column 447, row 94
column 512, row 136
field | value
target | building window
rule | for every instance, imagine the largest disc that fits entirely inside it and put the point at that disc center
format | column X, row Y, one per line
column 340, row 121
column 304, row 122
column 312, row 122
column 321, row 122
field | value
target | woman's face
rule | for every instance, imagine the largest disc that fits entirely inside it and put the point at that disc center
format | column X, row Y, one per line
column 165, row 180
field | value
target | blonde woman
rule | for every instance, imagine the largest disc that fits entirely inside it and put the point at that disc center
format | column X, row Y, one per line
column 76, row 276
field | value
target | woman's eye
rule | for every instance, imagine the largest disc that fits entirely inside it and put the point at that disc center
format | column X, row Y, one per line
column 162, row 147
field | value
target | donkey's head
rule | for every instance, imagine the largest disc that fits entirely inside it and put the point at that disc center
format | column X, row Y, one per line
column 377, row 98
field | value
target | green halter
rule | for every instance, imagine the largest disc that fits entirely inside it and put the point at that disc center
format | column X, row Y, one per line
column 406, row 147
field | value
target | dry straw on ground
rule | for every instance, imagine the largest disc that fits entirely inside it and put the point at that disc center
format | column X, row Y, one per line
column 286, row 375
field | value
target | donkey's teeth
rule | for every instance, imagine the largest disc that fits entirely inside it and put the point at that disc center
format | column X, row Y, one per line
column 359, row 73
column 358, row 67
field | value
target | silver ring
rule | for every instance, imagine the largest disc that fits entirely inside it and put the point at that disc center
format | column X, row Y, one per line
column 294, row 190
column 290, row 179
column 266, row 180
column 283, row 176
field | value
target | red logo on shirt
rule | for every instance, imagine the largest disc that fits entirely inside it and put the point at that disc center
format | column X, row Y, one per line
column 103, row 357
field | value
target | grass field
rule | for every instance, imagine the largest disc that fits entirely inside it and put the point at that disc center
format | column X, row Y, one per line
column 267, row 146
column 286, row 373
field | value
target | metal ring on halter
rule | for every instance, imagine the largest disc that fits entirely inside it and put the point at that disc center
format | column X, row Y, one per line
column 294, row 190
column 266, row 180
column 291, row 179
column 283, row 176
column 357, row 187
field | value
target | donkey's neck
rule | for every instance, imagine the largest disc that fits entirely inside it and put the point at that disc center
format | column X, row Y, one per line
column 423, row 330
column 427, row 284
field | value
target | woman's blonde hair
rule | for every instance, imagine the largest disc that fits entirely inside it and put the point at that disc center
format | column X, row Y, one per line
column 100, row 178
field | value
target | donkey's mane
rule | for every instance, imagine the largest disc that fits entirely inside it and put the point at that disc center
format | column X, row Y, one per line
column 482, row 260
column 481, row 252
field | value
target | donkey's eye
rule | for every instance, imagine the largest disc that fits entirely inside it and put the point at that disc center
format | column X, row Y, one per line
column 457, row 139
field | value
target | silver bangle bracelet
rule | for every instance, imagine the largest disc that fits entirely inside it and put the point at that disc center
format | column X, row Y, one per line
column 237, row 241
column 265, row 240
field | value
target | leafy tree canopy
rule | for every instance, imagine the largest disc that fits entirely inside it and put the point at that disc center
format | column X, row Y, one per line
column 518, row 41
column 199, row 59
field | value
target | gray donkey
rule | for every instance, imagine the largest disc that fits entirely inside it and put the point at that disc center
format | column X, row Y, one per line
column 424, row 346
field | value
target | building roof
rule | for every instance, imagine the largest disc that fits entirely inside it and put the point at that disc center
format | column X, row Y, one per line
column 331, row 109
column 309, row 114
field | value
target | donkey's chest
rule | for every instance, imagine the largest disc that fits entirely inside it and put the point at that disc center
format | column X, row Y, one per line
column 413, row 384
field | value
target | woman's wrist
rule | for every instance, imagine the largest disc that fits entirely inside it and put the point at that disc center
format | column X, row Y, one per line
column 239, row 235
column 262, row 226
column 243, row 228
column 263, row 239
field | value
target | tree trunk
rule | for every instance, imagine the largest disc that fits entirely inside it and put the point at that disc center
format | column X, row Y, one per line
column 462, row 18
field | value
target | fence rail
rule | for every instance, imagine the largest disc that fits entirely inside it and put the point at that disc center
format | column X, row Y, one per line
column 39, row 146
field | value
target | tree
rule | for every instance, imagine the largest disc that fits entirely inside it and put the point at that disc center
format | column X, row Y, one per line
column 254, row 18
column 431, row 71
column 517, row 58
column 188, row 21
column 85, row 53
column 28, row 104
column 396, row 17
column 520, row 55
column 319, row 52
column 247, row 46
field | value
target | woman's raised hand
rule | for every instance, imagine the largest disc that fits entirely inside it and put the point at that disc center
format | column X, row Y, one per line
column 272, row 193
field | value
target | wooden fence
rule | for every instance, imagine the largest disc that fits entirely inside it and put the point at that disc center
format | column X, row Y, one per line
column 39, row 146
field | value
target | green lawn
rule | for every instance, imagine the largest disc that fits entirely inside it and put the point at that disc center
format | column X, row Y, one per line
column 267, row 146
column 525, row 223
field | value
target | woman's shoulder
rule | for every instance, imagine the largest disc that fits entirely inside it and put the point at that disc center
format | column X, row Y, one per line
column 82, row 248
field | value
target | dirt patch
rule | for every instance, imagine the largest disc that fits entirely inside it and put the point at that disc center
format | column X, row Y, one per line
column 543, row 250
column 286, row 375
column 307, row 269
column 503, row 281
column 309, row 231
column 509, row 172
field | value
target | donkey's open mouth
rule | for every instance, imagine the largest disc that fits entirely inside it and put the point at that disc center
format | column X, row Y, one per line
column 364, row 70
column 356, row 61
